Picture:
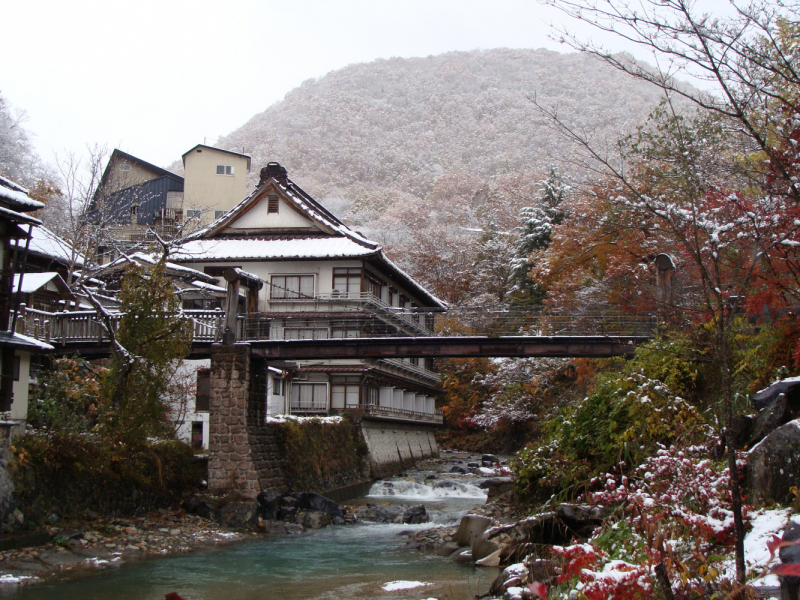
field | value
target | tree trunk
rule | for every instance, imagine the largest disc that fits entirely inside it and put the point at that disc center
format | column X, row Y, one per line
column 730, row 442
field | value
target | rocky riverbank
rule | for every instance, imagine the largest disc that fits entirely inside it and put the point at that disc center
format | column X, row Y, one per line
column 100, row 543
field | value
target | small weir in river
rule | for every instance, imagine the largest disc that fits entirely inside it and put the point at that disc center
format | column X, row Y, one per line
column 336, row 563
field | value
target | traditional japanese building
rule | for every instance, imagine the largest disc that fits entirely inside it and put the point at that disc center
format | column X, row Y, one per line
column 322, row 280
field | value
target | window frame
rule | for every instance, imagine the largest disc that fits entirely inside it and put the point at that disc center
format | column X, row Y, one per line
column 227, row 170
column 283, row 291
column 204, row 375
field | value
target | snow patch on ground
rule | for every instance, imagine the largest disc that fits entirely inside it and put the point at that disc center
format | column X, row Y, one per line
column 285, row 418
column 393, row 586
column 15, row 579
column 764, row 524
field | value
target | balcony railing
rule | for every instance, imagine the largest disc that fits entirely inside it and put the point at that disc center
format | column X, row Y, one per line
column 362, row 302
column 399, row 414
column 399, row 363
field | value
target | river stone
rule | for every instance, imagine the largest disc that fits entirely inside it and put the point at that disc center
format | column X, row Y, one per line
column 239, row 515
column 206, row 510
column 487, row 460
column 483, row 547
column 415, row 514
column 457, row 469
column 462, row 557
column 773, row 466
column 269, row 502
column 315, row 519
column 497, row 486
column 447, row 549
column 493, row 560
column 470, row 528
column 317, row 502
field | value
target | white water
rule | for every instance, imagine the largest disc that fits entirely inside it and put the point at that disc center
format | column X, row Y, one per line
column 430, row 491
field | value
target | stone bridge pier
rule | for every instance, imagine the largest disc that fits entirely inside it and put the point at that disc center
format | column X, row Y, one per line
column 243, row 455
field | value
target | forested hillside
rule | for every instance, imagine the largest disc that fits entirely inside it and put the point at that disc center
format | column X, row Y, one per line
column 402, row 123
column 424, row 154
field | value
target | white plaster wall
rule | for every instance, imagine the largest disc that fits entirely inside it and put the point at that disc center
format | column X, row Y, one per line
column 187, row 372
column 258, row 217
column 322, row 270
column 19, row 407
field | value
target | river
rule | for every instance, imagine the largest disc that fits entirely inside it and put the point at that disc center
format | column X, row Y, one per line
column 336, row 563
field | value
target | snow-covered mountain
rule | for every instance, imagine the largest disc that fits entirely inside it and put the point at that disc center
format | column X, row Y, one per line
column 404, row 122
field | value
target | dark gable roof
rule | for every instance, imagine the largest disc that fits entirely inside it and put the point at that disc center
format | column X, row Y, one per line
column 247, row 156
column 142, row 163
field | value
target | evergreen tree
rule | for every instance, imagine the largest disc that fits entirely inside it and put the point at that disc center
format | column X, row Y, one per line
column 535, row 235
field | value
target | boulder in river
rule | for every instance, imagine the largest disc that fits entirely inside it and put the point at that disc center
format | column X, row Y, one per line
column 317, row 502
column 314, row 519
column 457, row 469
column 239, row 515
column 269, row 502
column 487, row 460
column 415, row 514
column 497, row 486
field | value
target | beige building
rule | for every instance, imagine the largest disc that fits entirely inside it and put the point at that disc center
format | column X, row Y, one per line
column 215, row 181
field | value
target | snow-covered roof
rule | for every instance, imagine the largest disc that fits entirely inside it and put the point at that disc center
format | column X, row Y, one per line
column 17, row 196
column 149, row 259
column 46, row 243
column 24, row 342
column 270, row 249
column 32, row 282
column 296, row 197
column 202, row 285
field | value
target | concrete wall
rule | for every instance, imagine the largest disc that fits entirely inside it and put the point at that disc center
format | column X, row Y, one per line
column 204, row 190
column 394, row 447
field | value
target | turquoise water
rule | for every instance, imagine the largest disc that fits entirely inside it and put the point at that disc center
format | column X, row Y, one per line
column 336, row 563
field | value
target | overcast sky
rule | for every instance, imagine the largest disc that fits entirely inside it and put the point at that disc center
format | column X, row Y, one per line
column 156, row 78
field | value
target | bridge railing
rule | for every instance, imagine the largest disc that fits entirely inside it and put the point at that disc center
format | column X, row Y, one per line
column 84, row 326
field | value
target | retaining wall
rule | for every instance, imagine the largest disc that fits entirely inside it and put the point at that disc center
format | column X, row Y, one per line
column 394, row 447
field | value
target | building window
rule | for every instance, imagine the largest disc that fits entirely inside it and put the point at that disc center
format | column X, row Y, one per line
column 272, row 204
column 371, row 396
column 193, row 214
column 374, row 287
column 291, row 286
column 344, row 395
column 203, row 399
column 304, row 333
column 309, row 396
column 277, row 386
column 344, row 332
column 16, row 367
column 197, row 435
column 347, row 280
column 125, row 167
column 224, row 170
column 202, row 304
column 219, row 213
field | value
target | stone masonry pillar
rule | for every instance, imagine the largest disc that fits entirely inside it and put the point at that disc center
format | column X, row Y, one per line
column 243, row 456
column 230, row 461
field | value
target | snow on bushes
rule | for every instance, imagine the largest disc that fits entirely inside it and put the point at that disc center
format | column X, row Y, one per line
column 625, row 419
